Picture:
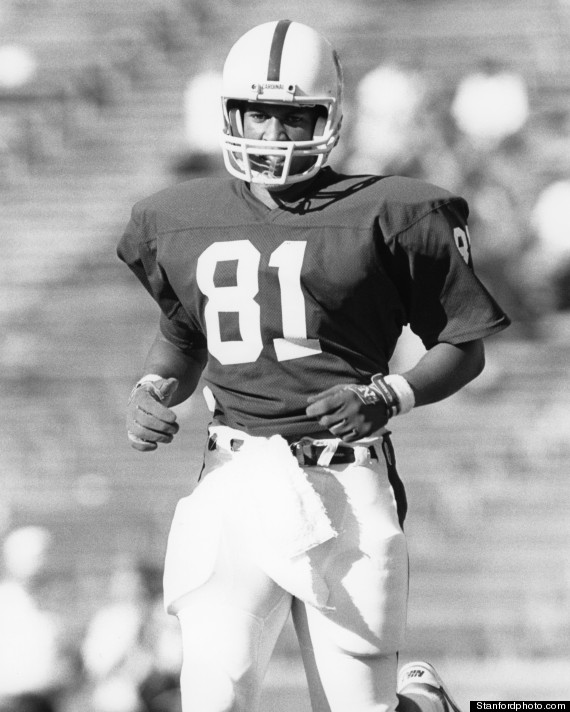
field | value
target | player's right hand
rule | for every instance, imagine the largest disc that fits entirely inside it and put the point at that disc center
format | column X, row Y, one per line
column 149, row 420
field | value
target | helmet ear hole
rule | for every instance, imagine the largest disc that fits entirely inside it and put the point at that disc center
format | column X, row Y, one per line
column 320, row 125
column 321, row 121
column 236, row 119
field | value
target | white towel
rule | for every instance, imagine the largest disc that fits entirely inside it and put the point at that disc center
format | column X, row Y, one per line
column 263, row 492
column 290, row 512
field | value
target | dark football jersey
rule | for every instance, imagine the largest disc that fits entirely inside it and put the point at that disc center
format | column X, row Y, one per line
column 293, row 300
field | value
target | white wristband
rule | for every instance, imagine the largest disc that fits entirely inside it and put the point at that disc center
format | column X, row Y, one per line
column 404, row 392
column 149, row 378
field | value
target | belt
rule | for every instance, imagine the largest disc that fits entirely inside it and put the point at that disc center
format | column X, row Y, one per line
column 307, row 453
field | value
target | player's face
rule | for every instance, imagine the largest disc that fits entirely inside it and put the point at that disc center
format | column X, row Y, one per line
column 276, row 122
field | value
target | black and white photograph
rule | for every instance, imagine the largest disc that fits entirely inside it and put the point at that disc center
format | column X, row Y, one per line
column 284, row 355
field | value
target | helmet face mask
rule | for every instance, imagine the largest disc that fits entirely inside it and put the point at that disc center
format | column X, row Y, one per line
column 291, row 65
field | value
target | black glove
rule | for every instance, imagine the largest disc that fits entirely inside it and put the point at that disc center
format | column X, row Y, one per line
column 349, row 411
column 149, row 420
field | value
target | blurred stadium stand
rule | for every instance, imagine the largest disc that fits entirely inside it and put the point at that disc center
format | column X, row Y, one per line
column 98, row 124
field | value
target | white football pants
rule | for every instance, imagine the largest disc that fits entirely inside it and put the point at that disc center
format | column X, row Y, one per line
column 231, row 610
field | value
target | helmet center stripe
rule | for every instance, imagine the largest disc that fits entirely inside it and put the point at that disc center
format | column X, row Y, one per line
column 276, row 52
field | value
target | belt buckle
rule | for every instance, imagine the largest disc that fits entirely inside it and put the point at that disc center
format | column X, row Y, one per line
column 304, row 451
column 307, row 453
column 236, row 444
column 297, row 448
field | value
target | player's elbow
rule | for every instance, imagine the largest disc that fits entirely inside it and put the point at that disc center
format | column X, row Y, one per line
column 474, row 352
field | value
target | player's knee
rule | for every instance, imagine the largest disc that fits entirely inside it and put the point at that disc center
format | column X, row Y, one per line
column 207, row 688
column 362, row 642
column 367, row 650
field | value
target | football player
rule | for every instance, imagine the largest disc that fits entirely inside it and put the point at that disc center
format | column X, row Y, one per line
column 286, row 287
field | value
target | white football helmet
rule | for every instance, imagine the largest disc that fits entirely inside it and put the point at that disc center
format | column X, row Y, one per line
column 280, row 62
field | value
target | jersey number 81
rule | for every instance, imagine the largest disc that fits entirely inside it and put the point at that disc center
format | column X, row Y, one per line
column 239, row 298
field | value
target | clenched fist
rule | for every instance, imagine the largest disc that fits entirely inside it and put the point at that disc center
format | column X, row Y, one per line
column 149, row 420
column 348, row 411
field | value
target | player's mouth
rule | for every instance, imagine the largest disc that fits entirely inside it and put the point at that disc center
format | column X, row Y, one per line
column 272, row 165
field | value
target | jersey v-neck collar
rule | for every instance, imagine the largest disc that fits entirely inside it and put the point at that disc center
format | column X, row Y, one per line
column 264, row 213
column 257, row 207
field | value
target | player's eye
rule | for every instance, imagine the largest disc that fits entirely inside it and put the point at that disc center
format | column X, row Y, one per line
column 296, row 119
column 257, row 116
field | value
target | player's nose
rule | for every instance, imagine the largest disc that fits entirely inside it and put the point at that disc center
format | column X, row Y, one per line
column 274, row 130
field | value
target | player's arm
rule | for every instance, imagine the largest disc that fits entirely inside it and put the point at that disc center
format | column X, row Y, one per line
column 171, row 376
column 353, row 411
column 169, row 361
column 444, row 370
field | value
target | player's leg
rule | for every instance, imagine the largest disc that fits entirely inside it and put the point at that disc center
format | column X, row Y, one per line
column 319, row 702
column 420, row 689
column 350, row 649
column 340, row 680
column 226, row 651
column 230, row 611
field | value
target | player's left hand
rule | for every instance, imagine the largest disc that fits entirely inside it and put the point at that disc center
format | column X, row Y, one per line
column 342, row 411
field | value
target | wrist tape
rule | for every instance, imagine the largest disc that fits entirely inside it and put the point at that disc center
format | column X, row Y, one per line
column 404, row 392
column 150, row 378
column 396, row 393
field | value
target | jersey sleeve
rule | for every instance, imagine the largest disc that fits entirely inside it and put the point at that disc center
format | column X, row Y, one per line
column 445, row 300
column 138, row 250
column 180, row 333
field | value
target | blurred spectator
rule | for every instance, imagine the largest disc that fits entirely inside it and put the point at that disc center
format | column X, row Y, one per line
column 127, row 55
column 98, row 84
column 386, row 137
column 131, row 651
column 490, row 111
column 550, row 221
column 199, row 12
column 402, row 125
column 166, row 26
column 202, row 112
column 547, row 264
column 550, row 140
column 17, row 67
column 202, row 125
column 491, row 104
column 33, row 667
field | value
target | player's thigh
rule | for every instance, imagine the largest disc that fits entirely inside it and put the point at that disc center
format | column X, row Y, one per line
column 230, row 626
column 341, row 682
column 350, row 647
column 236, row 582
column 366, row 566
column 226, row 652
column 210, row 544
